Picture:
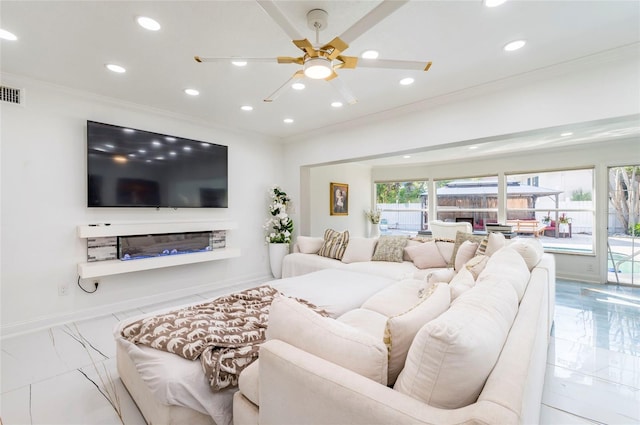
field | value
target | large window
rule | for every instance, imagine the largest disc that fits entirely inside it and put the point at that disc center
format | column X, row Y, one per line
column 403, row 206
column 474, row 200
column 557, row 206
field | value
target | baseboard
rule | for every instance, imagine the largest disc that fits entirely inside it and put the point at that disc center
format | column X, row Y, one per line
column 46, row 322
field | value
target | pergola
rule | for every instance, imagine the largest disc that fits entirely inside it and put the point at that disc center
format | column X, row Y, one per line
column 457, row 198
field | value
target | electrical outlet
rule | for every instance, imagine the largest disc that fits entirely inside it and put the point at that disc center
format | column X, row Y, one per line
column 590, row 268
column 63, row 289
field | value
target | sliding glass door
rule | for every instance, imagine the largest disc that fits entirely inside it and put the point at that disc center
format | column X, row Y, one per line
column 623, row 242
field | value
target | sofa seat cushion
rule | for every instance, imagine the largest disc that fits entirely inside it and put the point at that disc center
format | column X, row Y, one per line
column 327, row 338
column 391, row 270
column 395, row 299
column 398, row 330
column 248, row 383
column 297, row 264
column 452, row 356
column 365, row 320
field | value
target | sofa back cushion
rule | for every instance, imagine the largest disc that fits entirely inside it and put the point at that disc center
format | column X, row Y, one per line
column 309, row 244
column 390, row 248
column 401, row 329
column 359, row 249
column 334, row 245
column 452, row 356
column 353, row 349
column 507, row 264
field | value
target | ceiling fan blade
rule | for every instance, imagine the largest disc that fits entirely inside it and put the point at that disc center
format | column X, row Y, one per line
column 201, row 59
column 278, row 17
column 394, row 64
column 377, row 14
column 306, row 46
column 335, row 46
column 348, row 62
column 342, row 88
column 288, row 59
column 273, row 96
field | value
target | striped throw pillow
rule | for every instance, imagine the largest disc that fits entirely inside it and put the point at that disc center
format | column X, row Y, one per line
column 335, row 243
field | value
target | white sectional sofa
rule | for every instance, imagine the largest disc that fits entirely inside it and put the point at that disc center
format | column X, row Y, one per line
column 480, row 360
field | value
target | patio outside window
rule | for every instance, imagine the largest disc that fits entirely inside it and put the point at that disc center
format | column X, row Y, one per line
column 558, row 205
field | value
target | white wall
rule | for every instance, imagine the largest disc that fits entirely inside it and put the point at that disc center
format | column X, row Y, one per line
column 43, row 158
column 358, row 177
column 571, row 93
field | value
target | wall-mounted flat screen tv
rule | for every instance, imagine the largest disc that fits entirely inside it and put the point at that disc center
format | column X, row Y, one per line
column 127, row 167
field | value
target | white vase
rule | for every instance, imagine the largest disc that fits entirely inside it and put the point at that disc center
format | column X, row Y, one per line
column 277, row 251
column 374, row 231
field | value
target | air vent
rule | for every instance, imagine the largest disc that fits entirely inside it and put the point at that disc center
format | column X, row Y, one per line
column 11, row 95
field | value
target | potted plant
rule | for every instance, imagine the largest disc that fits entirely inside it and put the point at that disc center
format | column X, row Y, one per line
column 373, row 220
column 563, row 223
column 279, row 228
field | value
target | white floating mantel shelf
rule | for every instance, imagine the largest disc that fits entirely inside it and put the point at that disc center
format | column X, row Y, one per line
column 111, row 267
column 104, row 230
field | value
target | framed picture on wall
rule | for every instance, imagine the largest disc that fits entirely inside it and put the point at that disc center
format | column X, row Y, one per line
column 339, row 199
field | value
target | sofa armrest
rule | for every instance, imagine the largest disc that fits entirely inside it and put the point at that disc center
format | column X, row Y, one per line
column 298, row 387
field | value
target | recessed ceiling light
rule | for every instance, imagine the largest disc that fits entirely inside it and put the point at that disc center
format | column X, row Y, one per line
column 406, row 156
column 159, row 158
column 568, row 133
column 192, row 92
column 148, row 23
column 369, row 54
column 170, row 139
column 288, row 120
column 514, row 45
column 493, row 3
column 298, row 86
column 204, row 144
column 142, row 151
column 172, row 153
column 186, row 148
column 156, row 143
column 6, row 35
column 115, row 68
column 473, row 147
column 407, row 81
column 247, row 108
column 336, row 104
column 128, row 130
column 239, row 62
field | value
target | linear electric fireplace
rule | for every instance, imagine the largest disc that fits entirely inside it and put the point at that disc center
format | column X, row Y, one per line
column 158, row 245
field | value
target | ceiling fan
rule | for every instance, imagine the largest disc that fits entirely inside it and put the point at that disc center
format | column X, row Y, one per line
column 322, row 61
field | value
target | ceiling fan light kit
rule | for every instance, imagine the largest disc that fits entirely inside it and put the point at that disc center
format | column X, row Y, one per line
column 317, row 68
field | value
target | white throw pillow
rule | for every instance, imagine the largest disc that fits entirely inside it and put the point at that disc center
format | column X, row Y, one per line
column 530, row 249
column 461, row 282
column 309, row 244
column 402, row 328
column 443, row 275
column 466, row 252
column 359, row 249
column 298, row 325
column 426, row 255
column 495, row 242
column 452, row 356
column 508, row 265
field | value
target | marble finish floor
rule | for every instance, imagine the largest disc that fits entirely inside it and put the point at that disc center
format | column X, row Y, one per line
column 67, row 374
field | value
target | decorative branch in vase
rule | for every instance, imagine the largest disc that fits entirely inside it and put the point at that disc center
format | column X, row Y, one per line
column 279, row 228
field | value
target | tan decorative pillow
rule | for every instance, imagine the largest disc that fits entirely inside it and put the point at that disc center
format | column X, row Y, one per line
column 335, row 243
column 390, row 248
column 460, row 238
column 476, row 265
column 466, row 252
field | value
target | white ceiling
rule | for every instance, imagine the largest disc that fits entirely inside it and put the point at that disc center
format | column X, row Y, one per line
column 68, row 43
